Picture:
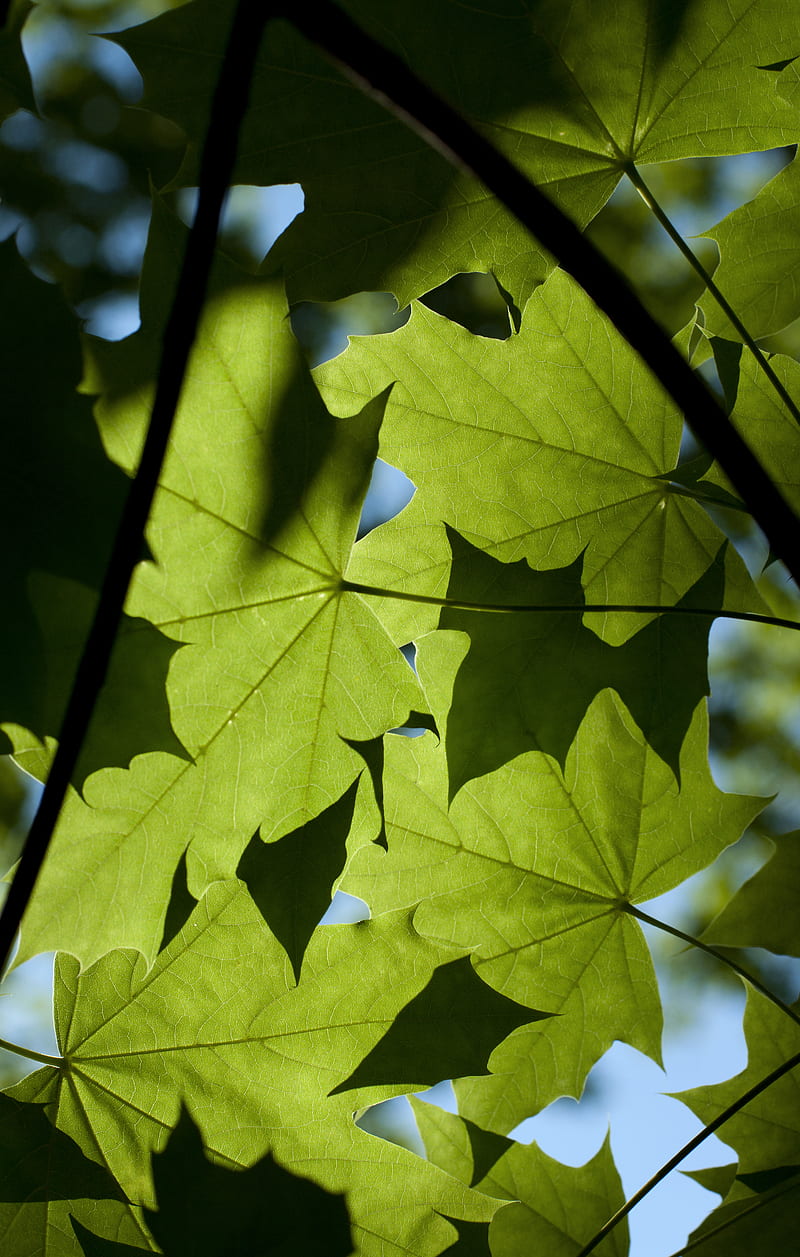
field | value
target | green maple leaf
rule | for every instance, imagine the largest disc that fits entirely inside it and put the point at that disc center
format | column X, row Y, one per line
column 558, row 1207
column 529, row 676
column 532, row 868
column 251, row 529
column 60, row 482
column 385, row 211
column 759, row 255
column 42, row 1164
column 472, row 1241
column 452, row 1024
column 760, row 415
column 763, row 912
column 550, row 444
column 258, row 1059
column 456, row 1144
column 291, row 880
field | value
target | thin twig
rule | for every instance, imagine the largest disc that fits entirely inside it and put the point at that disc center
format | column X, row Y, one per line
column 698, row 1139
column 216, row 169
column 389, row 80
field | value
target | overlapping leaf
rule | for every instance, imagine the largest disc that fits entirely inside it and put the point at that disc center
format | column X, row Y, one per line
column 761, row 416
column 763, row 912
column 16, row 91
column 553, row 455
column 533, row 868
column 759, row 256
column 557, row 1207
column 219, row 1023
column 550, row 444
column 210, row 1210
column 751, row 1220
column 530, row 674
column 251, row 528
column 571, row 93
column 761, row 1205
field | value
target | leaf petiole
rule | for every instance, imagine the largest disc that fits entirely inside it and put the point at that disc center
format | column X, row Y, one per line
column 375, row 591
column 56, row 1061
column 738, row 969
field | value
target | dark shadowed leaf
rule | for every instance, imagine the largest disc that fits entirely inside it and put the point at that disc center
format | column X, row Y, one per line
column 181, row 904
column 40, row 1163
column 447, row 1031
column 555, row 1208
column 473, row 1240
column 570, row 92
column 263, row 1211
column 290, row 880
column 764, row 912
column 457, row 1144
column 530, row 675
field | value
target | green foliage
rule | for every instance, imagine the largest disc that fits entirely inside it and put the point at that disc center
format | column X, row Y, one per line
column 557, row 571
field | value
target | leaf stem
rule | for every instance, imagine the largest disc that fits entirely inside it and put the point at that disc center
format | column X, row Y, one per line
column 40, row 1057
column 385, row 77
column 591, row 608
column 723, row 303
column 743, row 973
column 216, row 169
column 751, row 1094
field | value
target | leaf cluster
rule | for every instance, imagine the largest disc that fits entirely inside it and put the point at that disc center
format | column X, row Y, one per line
column 557, row 572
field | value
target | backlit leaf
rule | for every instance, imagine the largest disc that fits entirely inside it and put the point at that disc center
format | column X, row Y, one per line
column 533, row 867
column 259, row 1057
column 554, row 443
column 571, row 93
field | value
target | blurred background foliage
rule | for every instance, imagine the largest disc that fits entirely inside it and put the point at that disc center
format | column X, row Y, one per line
column 75, row 187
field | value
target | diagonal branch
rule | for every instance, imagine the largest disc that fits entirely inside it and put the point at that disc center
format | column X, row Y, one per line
column 388, row 79
column 698, row 1139
column 219, row 153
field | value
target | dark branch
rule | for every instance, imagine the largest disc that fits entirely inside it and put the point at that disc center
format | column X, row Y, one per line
column 384, row 76
column 216, row 169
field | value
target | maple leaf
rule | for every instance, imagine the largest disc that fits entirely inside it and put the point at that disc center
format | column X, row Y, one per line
column 533, row 867
column 260, row 1061
column 757, row 272
column 58, row 561
column 760, row 415
column 384, row 210
column 556, row 1207
column 212, row 1211
column 554, row 443
column 762, row 912
column 16, row 91
column 250, row 535
column 760, row 1204
column 530, row 674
